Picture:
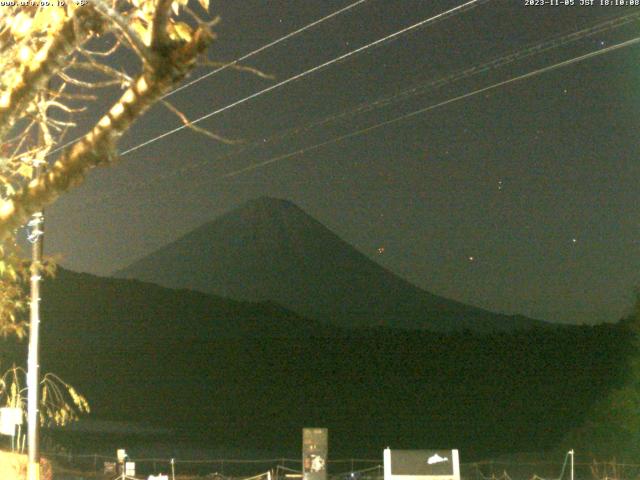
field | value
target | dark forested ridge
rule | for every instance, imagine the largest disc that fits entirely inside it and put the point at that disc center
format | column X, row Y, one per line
column 270, row 249
column 243, row 376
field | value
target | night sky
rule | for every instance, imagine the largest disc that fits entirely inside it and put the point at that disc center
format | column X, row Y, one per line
column 522, row 199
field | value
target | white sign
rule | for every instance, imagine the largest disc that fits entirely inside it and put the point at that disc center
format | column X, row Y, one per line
column 9, row 418
column 130, row 469
column 158, row 477
column 421, row 465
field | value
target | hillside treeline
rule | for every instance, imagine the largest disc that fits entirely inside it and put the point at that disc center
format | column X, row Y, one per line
column 246, row 377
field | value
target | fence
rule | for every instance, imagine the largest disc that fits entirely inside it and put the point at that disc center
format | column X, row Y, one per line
column 92, row 467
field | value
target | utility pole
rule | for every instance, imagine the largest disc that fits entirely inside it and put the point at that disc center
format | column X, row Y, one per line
column 572, row 453
column 36, row 232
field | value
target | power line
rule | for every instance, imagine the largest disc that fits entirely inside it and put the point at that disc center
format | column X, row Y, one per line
column 498, row 62
column 431, row 107
column 505, row 59
column 265, row 47
column 460, row 8
column 243, row 58
column 460, row 75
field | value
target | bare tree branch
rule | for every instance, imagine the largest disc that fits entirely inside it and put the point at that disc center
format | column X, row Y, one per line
column 106, row 70
column 187, row 123
column 46, row 63
column 106, row 53
column 159, row 35
column 134, row 39
column 92, row 85
column 98, row 146
column 241, row 68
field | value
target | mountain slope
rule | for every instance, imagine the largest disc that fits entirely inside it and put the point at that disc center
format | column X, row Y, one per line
column 95, row 310
column 269, row 249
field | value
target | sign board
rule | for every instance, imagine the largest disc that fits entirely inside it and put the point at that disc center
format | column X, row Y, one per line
column 158, row 477
column 421, row 465
column 130, row 469
column 121, row 454
column 315, row 447
column 9, row 418
column 109, row 468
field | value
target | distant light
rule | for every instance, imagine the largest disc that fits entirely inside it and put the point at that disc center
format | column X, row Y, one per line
column 574, row 240
column 380, row 250
column 471, row 258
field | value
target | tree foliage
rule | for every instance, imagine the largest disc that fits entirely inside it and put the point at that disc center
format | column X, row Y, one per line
column 54, row 60
column 54, row 63
column 60, row 402
column 612, row 427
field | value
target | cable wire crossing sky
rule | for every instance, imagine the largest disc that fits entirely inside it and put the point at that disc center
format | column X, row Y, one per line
column 241, row 59
column 435, row 18
column 495, row 63
column 421, row 111
column 516, row 193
